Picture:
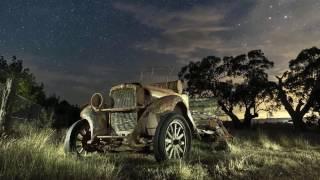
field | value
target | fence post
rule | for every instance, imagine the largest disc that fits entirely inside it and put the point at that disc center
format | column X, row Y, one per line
column 4, row 108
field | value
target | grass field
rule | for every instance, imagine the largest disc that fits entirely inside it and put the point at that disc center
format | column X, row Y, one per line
column 267, row 152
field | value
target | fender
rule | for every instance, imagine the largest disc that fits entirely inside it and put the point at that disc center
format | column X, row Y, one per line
column 66, row 146
column 97, row 121
column 148, row 121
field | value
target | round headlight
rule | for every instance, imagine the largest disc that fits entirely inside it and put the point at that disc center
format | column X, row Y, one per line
column 97, row 100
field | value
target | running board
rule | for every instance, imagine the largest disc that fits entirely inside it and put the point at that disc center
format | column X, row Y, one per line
column 111, row 137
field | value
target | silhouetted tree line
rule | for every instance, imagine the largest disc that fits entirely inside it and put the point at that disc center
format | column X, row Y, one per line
column 57, row 113
column 242, row 82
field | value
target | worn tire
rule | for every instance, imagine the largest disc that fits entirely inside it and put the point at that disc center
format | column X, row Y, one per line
column 166, row 147
column 71, row 140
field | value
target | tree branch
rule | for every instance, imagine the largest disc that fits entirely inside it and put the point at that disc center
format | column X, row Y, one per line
column 283, row 96
column 300, row 104
column 312, row 97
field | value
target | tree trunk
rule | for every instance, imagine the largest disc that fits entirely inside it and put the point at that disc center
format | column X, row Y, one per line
column 248, row 118
column 5, row 105
column 295, row 114
column 298, row 123
column 235, row 120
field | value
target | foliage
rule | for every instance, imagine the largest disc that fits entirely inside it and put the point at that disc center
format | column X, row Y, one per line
column 298, row 88
column 61, row 113
column 58, row 113
column 236, row 81
column 25, row 82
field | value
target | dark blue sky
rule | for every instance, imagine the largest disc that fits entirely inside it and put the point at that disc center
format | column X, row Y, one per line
column 77, row 47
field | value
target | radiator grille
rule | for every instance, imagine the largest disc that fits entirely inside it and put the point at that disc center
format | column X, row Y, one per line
column 121, row 122
column 124, row 97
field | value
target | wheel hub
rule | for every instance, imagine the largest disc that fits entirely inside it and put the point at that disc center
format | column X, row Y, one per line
column 176, row 141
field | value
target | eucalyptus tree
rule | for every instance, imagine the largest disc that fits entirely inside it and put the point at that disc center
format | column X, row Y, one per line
column 298, row 88
column 240, row 81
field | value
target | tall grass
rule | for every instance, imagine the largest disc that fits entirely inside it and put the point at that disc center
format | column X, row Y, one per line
column 36, row 155
column 264, row 153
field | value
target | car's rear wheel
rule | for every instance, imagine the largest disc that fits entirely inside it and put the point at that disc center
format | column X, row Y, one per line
column 172, row 138
column 77, row 139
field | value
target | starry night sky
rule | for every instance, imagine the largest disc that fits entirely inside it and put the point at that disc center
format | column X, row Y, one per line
column 77, row 47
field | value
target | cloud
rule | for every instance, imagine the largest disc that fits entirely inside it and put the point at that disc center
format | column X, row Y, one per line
column 175, row 21
column 280, row 28
column 182, row 32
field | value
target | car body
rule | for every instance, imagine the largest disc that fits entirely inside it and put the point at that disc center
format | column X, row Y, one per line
column 136, row 117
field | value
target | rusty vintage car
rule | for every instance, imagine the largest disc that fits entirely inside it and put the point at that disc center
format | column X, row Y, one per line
column 154, row 118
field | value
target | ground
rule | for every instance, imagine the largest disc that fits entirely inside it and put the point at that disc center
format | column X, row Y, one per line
column 264, row 152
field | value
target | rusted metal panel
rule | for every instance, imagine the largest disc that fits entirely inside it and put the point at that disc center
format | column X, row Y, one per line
column 158, row 92
column 151, row 116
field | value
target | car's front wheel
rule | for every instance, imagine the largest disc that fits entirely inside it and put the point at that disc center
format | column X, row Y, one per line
column 77, row 138
column 172, row 139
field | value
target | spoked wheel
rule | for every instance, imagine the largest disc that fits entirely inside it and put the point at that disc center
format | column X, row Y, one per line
column 175, row 142
column 77, row 139
column 172, row 139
